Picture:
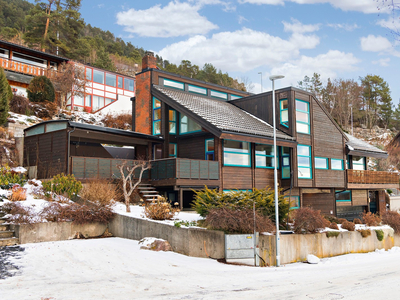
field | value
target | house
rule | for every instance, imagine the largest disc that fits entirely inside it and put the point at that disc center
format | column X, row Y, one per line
column 105, row 91
column 200, row 134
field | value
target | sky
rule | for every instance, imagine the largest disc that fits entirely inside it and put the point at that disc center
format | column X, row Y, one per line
column 253, row 39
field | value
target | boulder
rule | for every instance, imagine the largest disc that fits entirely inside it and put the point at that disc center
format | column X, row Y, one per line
column 155, row 244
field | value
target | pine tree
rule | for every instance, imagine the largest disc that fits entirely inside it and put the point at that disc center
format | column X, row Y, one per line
column 5, row 97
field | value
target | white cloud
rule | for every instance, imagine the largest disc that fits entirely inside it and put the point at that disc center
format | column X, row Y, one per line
column 242, row 19
column 347, row 27
column 365, row 6
column 298, row 27
column 390, row 23
column 375, row 43
column 383, row 62
column 241, row 50
column 174, row 19
column 228, row 5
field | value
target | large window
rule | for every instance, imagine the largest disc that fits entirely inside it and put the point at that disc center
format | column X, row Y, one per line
column 236, row 153
column 129, row 85
column 88, row 101
column 302, row 116
column 284, row 112
column 321, row 163
column 264, row 156
column 111, row 80
column 343, row 196
column 358, row 163
column 98, row 102
column 285, row 162
column 304, row 161
column 156, row 116
column 336, row 164
column 188, row 125
column 210, row 149
column 98, row 76
column 172, row 121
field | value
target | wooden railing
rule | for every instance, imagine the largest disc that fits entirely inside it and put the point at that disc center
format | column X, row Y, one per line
column 371, row 177
column 8, row 64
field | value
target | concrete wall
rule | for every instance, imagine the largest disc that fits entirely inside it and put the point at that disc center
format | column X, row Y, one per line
column 189, row 241
column 296, row 247
column 52, row 231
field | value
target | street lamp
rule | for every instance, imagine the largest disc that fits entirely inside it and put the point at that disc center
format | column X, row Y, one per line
column 278, row 258
column 261, row 81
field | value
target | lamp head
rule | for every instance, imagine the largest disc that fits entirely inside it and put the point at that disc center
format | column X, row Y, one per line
column 274, row 77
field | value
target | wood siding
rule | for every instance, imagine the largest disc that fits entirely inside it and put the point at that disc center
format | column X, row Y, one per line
column 264, row 178
column 193, row 148
column 236, row 178
column 329, row 178
column 359, row 197
column 323, row 202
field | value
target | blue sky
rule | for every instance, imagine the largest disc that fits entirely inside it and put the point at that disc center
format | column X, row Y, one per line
column 335, row 38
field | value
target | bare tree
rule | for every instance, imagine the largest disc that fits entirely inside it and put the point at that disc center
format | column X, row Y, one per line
column 129, row 181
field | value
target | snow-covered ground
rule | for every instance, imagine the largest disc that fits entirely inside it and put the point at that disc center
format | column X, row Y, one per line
column 115, row 268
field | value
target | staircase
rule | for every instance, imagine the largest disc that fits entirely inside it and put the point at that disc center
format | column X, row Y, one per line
column 7, row 236
column 147, row 192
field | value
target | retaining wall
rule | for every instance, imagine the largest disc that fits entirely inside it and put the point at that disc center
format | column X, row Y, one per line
column 296, row 247
column 189, row 241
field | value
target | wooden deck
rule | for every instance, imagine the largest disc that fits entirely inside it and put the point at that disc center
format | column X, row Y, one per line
column 24, row 68
column 372, row 179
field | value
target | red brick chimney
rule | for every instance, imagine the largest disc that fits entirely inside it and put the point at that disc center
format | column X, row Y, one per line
column 149, row 61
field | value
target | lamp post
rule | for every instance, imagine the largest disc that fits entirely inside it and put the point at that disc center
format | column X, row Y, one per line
column 278, row 258
column 261, row 81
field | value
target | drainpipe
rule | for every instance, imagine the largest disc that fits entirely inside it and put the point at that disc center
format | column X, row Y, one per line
column 68, row 149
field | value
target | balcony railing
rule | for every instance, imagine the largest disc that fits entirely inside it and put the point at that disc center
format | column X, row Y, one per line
column 372, row 177
column 12, row 65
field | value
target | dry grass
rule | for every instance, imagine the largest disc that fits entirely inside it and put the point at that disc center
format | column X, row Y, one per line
column 100, row 192
column 350, row 226
column 18, row 193
column 308, row 220
column 371, row 219
column 333, row 225
column 364, row 232
column 392, row 219
column 159, row 209
column 119, row 121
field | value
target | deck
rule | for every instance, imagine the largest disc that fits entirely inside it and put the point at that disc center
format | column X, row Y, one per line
column 372, row 179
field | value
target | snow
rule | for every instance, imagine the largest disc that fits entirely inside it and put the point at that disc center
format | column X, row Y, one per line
column 116, row 268
column 312, row 259
column 23, row 119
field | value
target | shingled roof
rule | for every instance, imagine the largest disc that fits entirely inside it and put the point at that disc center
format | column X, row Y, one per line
column 223, row 115
column 359, row 147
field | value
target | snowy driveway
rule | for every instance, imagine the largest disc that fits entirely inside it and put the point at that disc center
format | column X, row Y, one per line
column 115, row 268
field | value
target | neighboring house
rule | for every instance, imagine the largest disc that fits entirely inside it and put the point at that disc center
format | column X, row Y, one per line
column 200, row 134
column 106, row 91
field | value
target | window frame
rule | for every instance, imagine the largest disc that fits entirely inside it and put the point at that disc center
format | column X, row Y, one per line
column 172, row 86
column 266, row 155
column 172, row 121
column 337, row 159
column 237, row 152
column 283, row 164
column 282, row 110
column 297, row 201
column 302, row 167
column 344, row 200
column 187, row 124
column 209, row 152
column 175, row 150
column 156, row 121
column 308, row 115
column 98, row 71
column 326, row 162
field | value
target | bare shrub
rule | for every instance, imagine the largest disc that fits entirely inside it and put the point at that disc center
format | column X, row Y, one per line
column 341, row 220
column 392, row 219
column 18, row 213
column 20, row 105
column 119, row 121
column 237, row 221
column 45, row 110
column 308, row 220
column 18, row 193
column 350, row 226
column 332, row 219
column 357, row 221
column 100, row 192
column 364, row 232
column 334, row 225
column 52, row 212
column 159, row 209
column 371, row 219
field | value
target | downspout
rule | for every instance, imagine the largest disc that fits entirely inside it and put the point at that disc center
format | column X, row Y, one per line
column 68, row 149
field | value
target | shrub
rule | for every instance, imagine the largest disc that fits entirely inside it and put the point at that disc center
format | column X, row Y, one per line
column 332, row 233
column 392, row 218
column 18, row 213
column 119, row 121
column 159, row 209
column 45, row 110
column 379, row 234
column 357, row 221
column 63, row 184
column 41, row 89
column 181, row 223
column 350, row 226
column 20, row 105
column 332, row 219
column 100, row 192
column 9, row 178
column 18, row 193
column 334, row 225
column 307, row 220
column 371, row 219
column 264, row 201
column 364, row 232
column 237, row 221
column 5, row 96
column 341, row 220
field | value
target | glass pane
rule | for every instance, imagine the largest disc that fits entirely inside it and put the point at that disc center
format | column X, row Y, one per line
column 321, row 163
column 236, row 159
column 300, row 105
column 285, row 161
column 285, row 172
column 337, row 164
column 98, row 76
column 284, row 104
column 157, row 103
column 128, row 84
column 55, row 126
column 264, row 149
column 120, row 82
column 346, row 195
column 285, row 150
column 302, row 128
column 358, row 167
column 264, row 161
column 172, row 115
column 302, row 116
column 304, row 172
column 89, row 74
column 37, row 130
column 197, row 89
column 172, row 127
column 78, row 100
column 303, row 161
column 219, row 94
column 157, row 114
column 174, row 84
column 157, row 127
column 108, row 101
column 209, row 145
column 284, row 116
column 158, row 151
column 303, row 150
column 358, row 160
column 111, row 80
column 236, row 146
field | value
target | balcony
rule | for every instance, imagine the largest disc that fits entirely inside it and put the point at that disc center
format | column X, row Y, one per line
column 24, row 68
column 372, row 179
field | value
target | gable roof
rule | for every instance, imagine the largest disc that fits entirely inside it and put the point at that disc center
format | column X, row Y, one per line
column 356, row 146
column 221, row 115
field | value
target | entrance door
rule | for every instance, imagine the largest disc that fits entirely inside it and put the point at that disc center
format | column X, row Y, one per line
column 373, row 201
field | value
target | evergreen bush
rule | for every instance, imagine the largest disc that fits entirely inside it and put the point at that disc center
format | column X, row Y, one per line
column 5, row 97
column 63, row 184
column 41, row 89
column 380, row 234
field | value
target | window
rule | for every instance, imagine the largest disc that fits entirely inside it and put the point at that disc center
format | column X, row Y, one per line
column 89, row 74
column 321, row 163
column 219, row 94
column 4, row 53
column 97, row 102
column 156, row 116
column 234, row 97
column 197, row 89
column 343, row 196
column 188, row 125
column 336, row 164
column 78, row 100
column 264, row 156
column 120, row 82
column 302, row 117
column 172, row 121
column 294, row 201
column 157, row 151
column 98, row 76
column 236, row 153
column 88, row 101
column 304, row 161
column 129, row 84
column 111, row 80
column 285, row 162
column 358, row 162
column 175, row 84
column 172, row 150
column 284, row 112
column 210, row 149
column 109, row 101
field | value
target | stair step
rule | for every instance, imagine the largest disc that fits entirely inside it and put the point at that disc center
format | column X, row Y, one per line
column 9, row 241
column 145, row 188
column 149, row 192
column 6, row 234
column 2, row 221
column 4, row 227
